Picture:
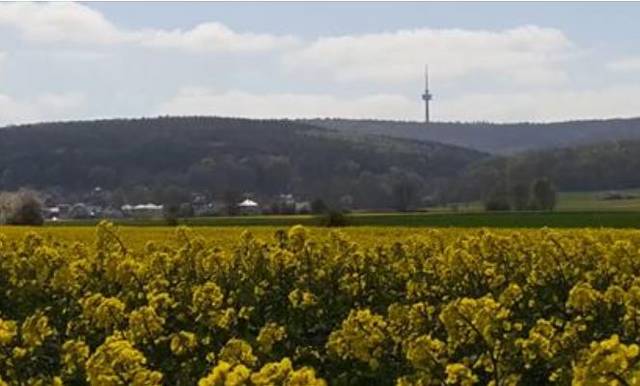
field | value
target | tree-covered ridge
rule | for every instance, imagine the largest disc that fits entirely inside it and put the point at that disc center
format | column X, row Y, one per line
column 495, row 138
column 215, row 155
column 607, row 165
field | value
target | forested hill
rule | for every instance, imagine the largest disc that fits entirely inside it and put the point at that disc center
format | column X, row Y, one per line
column 215, row 155
column 496, row 138
column 610, row 165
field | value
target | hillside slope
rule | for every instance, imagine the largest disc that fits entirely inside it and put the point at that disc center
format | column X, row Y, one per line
column 495, row 138
column 217, row 155
column 610, row 165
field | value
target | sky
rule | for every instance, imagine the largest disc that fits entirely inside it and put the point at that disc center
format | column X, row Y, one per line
column 500, row 62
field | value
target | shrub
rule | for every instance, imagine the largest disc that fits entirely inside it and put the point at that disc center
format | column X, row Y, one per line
column 171, row 215
column 318, row 206
column 497, row 199
column 334, row 218
column 24, row 208
column 543, row 195
column 497, row 203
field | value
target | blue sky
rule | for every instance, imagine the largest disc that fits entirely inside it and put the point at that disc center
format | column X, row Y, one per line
column 488, row 61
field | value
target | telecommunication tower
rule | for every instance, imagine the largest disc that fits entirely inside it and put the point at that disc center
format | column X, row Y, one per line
column 426, row 97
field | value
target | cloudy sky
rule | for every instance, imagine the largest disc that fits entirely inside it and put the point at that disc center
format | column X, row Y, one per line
column 500, row 62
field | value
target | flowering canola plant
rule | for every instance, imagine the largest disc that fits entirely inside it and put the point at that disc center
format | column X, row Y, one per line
column 436, row 308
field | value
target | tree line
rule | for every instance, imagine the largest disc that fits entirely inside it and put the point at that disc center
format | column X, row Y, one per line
column 496, row 138
column 539, row 195
column 611, row 165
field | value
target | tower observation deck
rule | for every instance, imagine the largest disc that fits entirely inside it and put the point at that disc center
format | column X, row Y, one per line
column 426, row 97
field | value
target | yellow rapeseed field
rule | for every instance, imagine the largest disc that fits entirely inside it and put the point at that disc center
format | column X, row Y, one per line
column 366, row 236
column 137, row 237
column 361, row 306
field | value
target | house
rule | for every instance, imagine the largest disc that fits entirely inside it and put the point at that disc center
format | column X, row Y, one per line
column 284, row 204
column 204, row 207
column 63, row 210
column 210, row 209
column 148, row 211
column 80, row 211
column 51, row 212
column 287, row 204
column 249, row 207
column 112, row 213
column 303, row 207
column 287, row 200
column 143, row 210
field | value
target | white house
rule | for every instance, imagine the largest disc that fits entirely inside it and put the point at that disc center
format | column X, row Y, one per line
column 143, row 210
column 249, row 206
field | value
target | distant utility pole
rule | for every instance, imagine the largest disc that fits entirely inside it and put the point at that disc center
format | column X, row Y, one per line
column 426, row 97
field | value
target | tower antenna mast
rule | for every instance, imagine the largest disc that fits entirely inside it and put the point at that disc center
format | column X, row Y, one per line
column 426, row 97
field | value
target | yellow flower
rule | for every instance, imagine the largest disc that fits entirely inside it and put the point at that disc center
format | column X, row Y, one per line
column 74, row 355
column 105, row 313
column 144, row 324
column 302, row 299
column 8, row 329
column 225, row 374
column 183, row 342
column 606, row 363
column 35, row 330
column 474, row 320
column 272, row 374
column 362, row 336
column 269, row 335
column 583, row 298
column 304, row 377
column 207, row 300
column 19, row 352
column 459, row 374
column 237, row 351
column 298, row 235
column 118, row 362
column 426, row 352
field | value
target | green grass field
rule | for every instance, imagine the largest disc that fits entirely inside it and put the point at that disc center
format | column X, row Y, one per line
column 592, row 201
column 571, row 201
column 505, row 220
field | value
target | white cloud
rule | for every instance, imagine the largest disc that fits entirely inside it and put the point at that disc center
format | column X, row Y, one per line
column 625, row 65
column 557, row 105
column 45, row 107
column 198, row 101
column 74, row 23
column 214, row 37
column 79, row 56
column 59, row 22
column 527, row 55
